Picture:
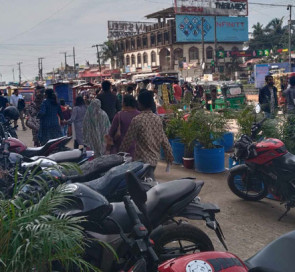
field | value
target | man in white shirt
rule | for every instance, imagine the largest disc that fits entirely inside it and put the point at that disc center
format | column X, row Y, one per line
column 14, row 99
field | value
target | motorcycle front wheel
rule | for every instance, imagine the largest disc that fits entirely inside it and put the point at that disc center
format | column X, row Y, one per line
column 182, row 239
column 247, row 186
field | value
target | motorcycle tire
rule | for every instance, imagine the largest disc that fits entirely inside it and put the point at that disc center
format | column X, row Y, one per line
column 178, row 233
column 236, row 188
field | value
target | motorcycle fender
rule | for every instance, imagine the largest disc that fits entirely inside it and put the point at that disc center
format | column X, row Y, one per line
column 240, row 167
column 199, row 211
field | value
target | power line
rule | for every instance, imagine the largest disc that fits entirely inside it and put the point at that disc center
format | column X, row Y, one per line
column 39, row 23
column 271, row 5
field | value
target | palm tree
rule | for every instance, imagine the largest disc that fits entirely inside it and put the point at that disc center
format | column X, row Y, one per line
column 33, row 236
column 258, row 30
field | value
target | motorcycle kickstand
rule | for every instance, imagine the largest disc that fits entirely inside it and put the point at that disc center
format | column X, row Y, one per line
column 285, row 213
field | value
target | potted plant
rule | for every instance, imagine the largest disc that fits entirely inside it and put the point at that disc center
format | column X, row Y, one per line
column 187, row 134
column 171, row 126
column 209, row 158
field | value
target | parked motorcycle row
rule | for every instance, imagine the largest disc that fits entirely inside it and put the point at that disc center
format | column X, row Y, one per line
column 141, row 221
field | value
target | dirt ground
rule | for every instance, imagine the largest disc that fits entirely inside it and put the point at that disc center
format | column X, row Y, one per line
column 247, row 226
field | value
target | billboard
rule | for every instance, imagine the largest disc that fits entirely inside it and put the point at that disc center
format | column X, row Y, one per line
column 212, row 7
column 122, row 29
column 228, row 29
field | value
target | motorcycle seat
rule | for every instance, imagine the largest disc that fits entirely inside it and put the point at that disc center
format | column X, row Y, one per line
column 108, row 184
column 38, row 151
column 160, row 202
column 169, row 197
column 95, row 168
column 67, row 156
column 278, row 255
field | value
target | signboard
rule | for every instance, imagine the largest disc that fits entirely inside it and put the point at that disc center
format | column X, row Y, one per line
column 212, row 7
column 260, row 71
column 228, row 29
column 122, row 29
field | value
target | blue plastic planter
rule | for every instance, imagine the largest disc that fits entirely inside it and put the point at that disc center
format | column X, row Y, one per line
column 227, row 141
column 178, row 151
column 209, row 160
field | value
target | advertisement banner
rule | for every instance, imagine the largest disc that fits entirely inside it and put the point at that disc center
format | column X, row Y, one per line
column 122, row 29
column 212, row 7
column 260, row 71
column 232, row 29
column 228, row 29
column 189, row 28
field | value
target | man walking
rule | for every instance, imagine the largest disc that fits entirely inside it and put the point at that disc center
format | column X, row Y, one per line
column 109, row 101
column 18, row 101
column 146, row 130
column 290, row 96
column 268, row 98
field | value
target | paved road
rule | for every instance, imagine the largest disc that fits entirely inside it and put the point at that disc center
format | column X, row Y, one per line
column 247, row 226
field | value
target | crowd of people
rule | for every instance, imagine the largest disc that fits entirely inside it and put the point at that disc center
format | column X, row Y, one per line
column 107, row 123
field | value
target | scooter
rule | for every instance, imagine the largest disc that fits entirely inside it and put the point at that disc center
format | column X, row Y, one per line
column 268, row 168
column 157, row 208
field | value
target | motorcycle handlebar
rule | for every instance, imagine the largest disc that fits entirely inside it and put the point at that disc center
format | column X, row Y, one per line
column 256, row 127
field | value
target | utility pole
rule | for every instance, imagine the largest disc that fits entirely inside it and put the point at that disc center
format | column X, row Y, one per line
column 215, row 43
column 65, row 53
column 74, row 57
column 13, row 75
column 20, row 73
column 290, row 36
column 98, row 59
column 40, row 68
column 203, row 47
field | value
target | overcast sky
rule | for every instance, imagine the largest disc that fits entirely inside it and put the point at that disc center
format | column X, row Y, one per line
column 38, row 28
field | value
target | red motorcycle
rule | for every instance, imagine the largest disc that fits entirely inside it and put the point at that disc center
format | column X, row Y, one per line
column 267, row 167
column 278, row 256
column 52, row 146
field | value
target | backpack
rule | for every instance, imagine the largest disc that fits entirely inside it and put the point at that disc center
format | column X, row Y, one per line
column 21, row 104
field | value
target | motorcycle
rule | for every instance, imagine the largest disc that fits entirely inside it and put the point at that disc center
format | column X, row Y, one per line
column 157, row 208
column 275, row 257
column 268, row 168
column 52, row 146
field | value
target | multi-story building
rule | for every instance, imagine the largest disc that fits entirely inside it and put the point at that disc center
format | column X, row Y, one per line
column 158, row 49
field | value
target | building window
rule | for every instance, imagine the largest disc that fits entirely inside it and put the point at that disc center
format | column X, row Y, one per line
column 178, row 54
column 153, row 56
column 145, row 57
column 127, row 60
column 132, row 44
column 138, row 42
column 209, row 52
column 153, row 40
column 220, row 48
column 122, row 46
column 193, row 53
column 132, row 59
column 138, row 58
column 128, row 45
column 159, row 38
column 144, row 41
column 166, row 36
